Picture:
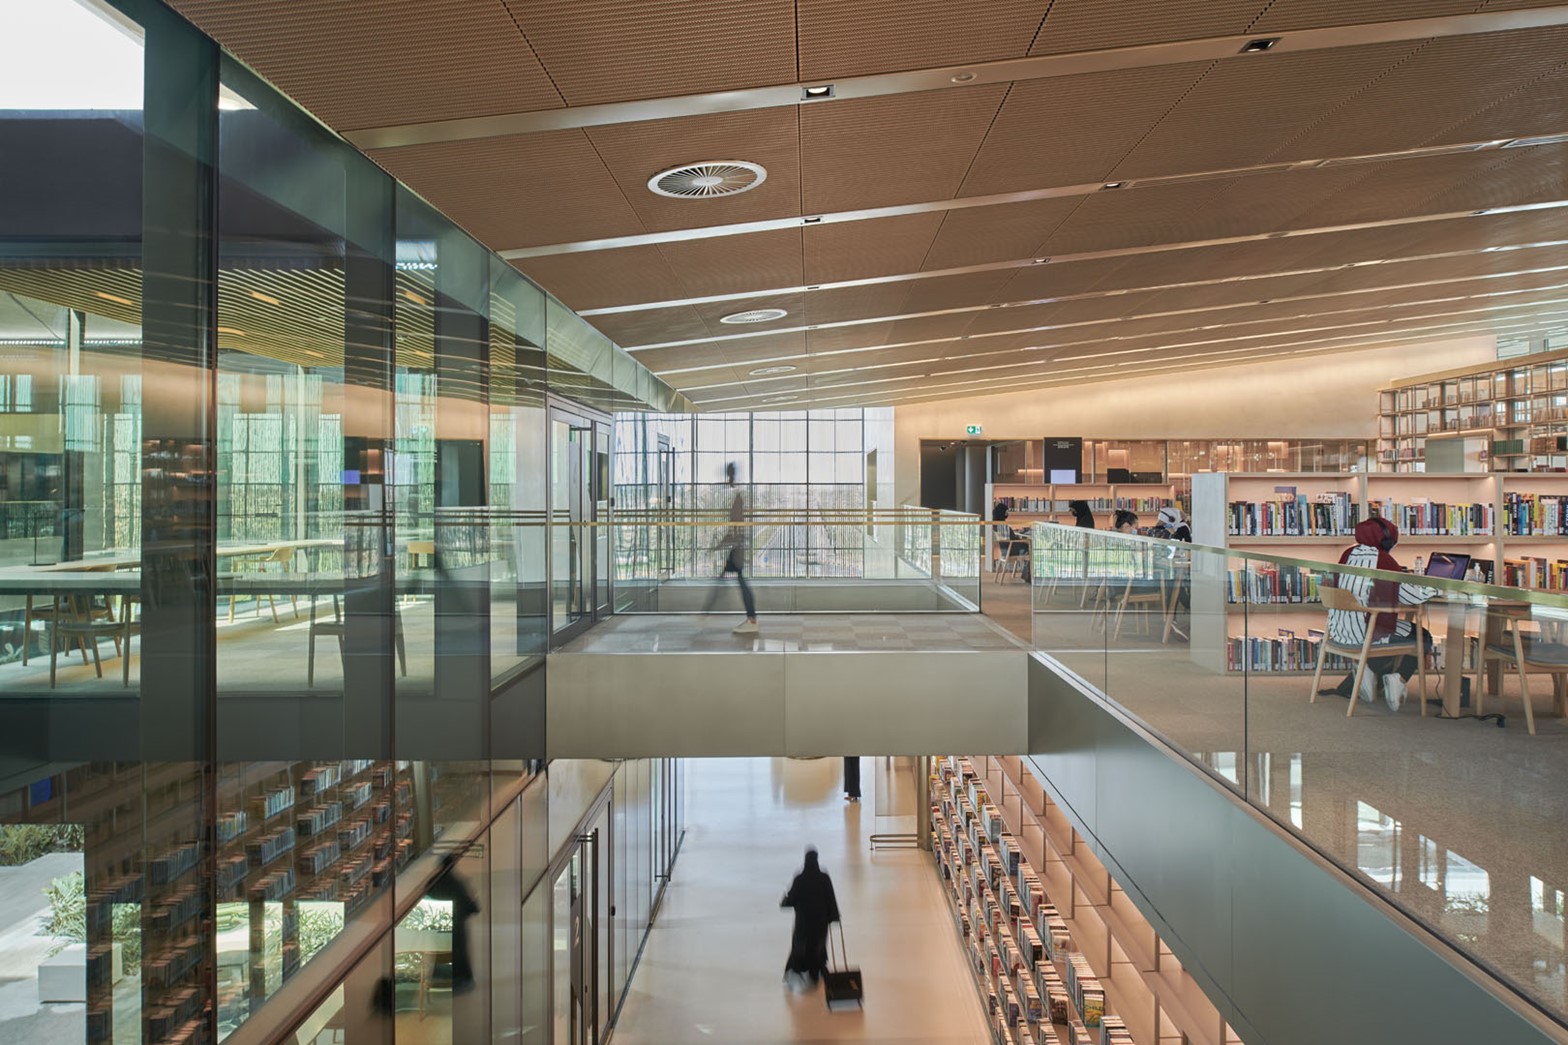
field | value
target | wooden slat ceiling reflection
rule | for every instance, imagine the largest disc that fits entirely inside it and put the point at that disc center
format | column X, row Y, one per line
column 1342, row 180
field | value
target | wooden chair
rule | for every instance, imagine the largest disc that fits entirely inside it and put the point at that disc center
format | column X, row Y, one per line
column 1141, row 600
column 1013, row 563
column 1341, row 600
column 1537, row 655
column 338, row 627
column 81, row 620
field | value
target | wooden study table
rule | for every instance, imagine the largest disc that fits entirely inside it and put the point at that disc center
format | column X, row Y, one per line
column 1494, row 613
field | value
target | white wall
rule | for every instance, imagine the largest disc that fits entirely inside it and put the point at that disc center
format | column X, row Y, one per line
column 1332, row 395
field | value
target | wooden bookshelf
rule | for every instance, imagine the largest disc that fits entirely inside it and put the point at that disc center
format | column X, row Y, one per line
column 1520, row 550
column 1148, row 996
column 1047, row 502
column 1520, row 400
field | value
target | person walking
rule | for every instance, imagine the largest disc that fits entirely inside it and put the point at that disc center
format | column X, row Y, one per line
column 816, row 908
column 851, row 778
column 736, row 546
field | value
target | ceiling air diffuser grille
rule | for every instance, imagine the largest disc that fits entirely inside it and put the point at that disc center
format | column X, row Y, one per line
column 709, row 178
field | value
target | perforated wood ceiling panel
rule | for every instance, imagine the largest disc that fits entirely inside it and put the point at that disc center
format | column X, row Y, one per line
column 736, row 263
column 897, row 149
column 630, row 329
column 357, row 64
column 860, row 37
column 614, row 50
column 608, row 277
column 1309, row 14
column 1241, row 113
column 1091, row 25
column 634, row 152
column 519, row 190
column 1073, row 129
column 1439, row 88
column 1007, row 232
column 862, row 249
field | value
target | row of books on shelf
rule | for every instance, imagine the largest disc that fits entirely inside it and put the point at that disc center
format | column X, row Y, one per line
column 1267, row 583
column 1034, row 980
column 1101, row 505
column 1292, row 515
column 1286, row 651
column 1438, row 519
column 1534, row 572
column 1534, row 515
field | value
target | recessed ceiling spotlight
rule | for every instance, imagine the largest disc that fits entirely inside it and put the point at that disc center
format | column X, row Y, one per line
column 817, row 287
column 708, row 178
column 821, row 90
column 813, row 220
column 1259, row 45
column 963, row 77
column 764, row 371
column 755, row 315
column 1040, row 261
column 1115, row 184
column 781, row 399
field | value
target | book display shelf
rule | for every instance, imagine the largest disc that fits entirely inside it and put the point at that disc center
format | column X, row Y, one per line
column 1521, row 404
column 1036, row 502
column 1060, row 953
column 1514, row 525
column 303, row 832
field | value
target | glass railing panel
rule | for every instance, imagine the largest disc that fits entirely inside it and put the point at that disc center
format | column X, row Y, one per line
column 1442, row 789
column 1436, row 779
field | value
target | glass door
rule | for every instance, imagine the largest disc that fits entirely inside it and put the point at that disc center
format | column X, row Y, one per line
column 575, row 949
column 579, row 498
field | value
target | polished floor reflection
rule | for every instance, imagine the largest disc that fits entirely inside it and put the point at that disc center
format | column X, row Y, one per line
column 713, row 966
column 795, row 633
column 1457, row 820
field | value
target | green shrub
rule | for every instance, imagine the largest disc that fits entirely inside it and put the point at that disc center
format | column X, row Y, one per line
column 24, row 843
column 68, row 919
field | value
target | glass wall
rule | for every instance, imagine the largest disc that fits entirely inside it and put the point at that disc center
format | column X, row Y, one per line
column 272, row 571
column 835, row 465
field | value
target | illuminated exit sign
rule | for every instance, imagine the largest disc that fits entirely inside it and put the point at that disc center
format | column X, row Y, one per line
column 972, row 430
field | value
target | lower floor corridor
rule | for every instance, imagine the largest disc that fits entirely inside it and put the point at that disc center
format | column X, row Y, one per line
column 714, row 962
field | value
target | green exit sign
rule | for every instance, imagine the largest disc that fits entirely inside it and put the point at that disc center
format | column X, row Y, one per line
column 972, row 430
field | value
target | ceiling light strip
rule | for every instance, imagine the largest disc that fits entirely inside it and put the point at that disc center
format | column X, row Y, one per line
column 1081, row 324
column 1226, row 48
column 1416, row 332
column 1099, row 295
column 1094, row 255
column 744, row 228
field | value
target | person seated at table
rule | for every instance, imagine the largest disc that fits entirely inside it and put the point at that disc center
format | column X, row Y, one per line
column 1083, row 516
column 1171, row 524
column 1124, row 521
column 1374, row 547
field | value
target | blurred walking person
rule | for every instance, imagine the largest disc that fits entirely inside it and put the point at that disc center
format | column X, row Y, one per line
column 735, row 543
column 816, row 908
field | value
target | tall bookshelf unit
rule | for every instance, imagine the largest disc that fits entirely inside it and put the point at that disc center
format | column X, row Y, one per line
column 1517, row 521
column 1061, row 954
column 1523, row 400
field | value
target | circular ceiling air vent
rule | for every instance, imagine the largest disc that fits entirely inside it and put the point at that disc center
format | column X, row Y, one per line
column 755, row 315
column 709, row 178
column 764, row 371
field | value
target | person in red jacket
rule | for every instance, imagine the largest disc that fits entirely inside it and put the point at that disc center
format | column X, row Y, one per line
column 1375, row 541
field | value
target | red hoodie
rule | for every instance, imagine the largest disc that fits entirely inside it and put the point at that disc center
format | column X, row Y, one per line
column 1371, row 533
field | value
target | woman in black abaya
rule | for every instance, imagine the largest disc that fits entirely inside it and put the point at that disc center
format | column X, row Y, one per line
column 811, row 895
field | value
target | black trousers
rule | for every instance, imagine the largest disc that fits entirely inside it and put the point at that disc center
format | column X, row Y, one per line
column 732, row 565
column 852, row 776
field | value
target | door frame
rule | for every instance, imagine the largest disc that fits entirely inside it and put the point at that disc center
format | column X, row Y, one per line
column 596, row 605
column 592, row 841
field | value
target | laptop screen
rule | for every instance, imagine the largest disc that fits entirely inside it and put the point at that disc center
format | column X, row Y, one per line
column 1452, row 566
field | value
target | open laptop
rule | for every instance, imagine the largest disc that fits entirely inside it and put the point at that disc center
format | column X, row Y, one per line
column 1451, row 565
